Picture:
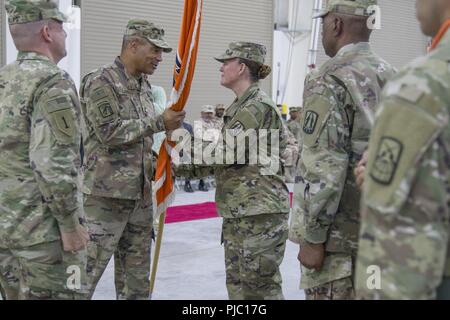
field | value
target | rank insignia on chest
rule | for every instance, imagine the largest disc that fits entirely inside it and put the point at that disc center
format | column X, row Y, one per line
column 310, row 123
column 386, row 161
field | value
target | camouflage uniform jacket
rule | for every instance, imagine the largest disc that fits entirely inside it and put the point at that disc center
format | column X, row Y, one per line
column 120, row 120
column 295, row 128
column 40, row 192
column 208, row 130
column 340, row 100
column 243, row 189
column 219, row 122
column 405, row 204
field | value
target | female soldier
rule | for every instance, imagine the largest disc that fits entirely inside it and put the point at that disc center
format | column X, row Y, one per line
column 253, row 202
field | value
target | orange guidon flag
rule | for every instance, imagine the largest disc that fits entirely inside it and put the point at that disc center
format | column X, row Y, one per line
column 183, row 74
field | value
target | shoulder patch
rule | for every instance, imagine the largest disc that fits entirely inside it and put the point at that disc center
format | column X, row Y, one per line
column 105, row 109
column 386, row 160
column 395, row 150
column 61, row 116
column 310, row 123
column 105, row 104
column 65, row 121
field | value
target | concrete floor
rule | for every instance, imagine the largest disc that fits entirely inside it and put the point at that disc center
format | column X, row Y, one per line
column 191, row 264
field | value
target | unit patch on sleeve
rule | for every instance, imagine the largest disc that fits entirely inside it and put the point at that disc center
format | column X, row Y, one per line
column 386, row 160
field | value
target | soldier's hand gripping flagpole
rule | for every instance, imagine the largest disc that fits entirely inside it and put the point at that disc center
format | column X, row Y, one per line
column 183, row 75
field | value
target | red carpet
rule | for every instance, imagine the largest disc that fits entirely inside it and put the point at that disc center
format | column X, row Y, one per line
column 191, row 212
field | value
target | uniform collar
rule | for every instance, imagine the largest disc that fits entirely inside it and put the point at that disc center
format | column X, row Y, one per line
column 27, row 55
column 237, row 103
column 253, row 87
column 133, row 82
column 352, row 47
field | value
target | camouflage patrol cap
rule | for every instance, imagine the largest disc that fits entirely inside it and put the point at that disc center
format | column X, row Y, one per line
column 244, row 50
column 149, row 31
column 350, row 7
column 208, row 108
column 220, row 106
column 295, row 109
column 25, row 11
column 248, row 51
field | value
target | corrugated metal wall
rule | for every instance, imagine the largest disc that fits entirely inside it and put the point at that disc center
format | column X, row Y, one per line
column 2, row 33
column 103, row 23
column 400, row 39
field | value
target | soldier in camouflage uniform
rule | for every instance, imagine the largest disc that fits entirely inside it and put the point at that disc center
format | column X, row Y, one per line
column 339, row 101
column 294, row 123
column 208, row 128
column 294, row 144
column 206, row 122
column 219, row 113
column 42, row 241
column 253, row 204
column 404, row 238
column 117, row 104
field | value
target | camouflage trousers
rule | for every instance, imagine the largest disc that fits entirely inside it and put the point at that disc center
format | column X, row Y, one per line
column 123, row 228
column 335, row 281
column 254, row 250
column 43, row 272
column 342, row 289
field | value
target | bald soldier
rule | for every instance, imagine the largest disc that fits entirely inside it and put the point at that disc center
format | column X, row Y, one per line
column 117, row 104
column 42, row 241
column 404, row 239
column 339, row 102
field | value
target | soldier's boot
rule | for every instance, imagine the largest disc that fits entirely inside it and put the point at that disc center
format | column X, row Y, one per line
column 188, row 187
column 202, row 186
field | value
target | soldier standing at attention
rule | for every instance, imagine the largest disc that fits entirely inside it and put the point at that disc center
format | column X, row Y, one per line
column 294, row 123
column 121, row 120
column 42, row 241
column 339, row 102
column 294, row 144
column 219, row 113
column 254, row 203
column 404, row 238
